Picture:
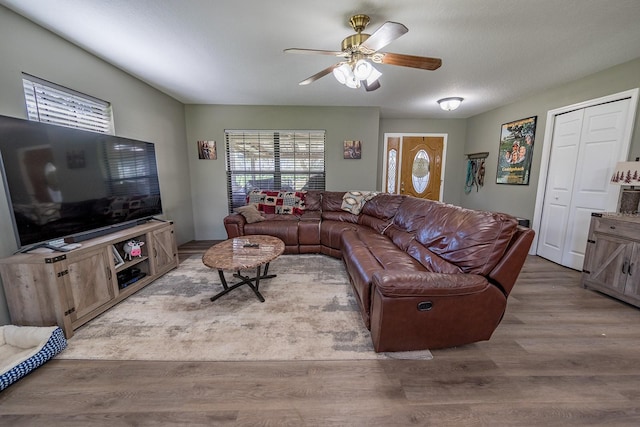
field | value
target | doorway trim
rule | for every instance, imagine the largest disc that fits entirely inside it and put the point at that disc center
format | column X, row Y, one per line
column 548, row 140
column 400, row 135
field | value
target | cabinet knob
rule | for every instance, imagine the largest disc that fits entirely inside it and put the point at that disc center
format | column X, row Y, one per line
column 613, row 227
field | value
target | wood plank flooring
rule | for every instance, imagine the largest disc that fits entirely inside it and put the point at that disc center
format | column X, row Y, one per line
column 563, row 355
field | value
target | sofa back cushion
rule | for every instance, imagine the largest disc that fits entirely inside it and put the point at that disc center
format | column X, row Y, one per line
column 332, row 208
column 472, row 240
column 313, row 200
column 378, row 212
column 332, row 201
column 412, row 213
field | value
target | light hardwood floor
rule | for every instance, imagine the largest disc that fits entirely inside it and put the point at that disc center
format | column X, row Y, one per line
column 562, row 355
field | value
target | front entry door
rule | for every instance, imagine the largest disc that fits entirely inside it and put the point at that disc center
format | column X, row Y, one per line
column 421, row 166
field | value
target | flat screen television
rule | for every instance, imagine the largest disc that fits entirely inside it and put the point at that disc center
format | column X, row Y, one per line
column 64, row 183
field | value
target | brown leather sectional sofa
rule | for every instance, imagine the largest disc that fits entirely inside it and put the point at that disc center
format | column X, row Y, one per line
column 426, row 274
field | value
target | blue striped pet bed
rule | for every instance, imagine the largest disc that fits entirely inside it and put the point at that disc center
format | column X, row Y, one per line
column 25, row 348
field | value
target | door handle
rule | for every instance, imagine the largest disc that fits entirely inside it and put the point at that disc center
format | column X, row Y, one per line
column 629, row 269
column 625, row 267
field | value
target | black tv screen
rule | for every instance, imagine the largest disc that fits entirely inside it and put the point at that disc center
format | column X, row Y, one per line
column 63, row 182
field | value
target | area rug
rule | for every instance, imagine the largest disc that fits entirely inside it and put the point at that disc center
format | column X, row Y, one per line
column 310, row 313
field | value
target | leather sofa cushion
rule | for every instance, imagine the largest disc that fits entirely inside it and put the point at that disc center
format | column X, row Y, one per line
column 332, row 201
column 429, row 260
column 285, row 230
column 473, row 240
column 383, row 206
column 340, row 215
column 313, row 200
column 403, row 283
column 378, row 212
column 412, row 213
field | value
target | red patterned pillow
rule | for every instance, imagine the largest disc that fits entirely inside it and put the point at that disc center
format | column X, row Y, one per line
column 292, row 202
column 278, row 202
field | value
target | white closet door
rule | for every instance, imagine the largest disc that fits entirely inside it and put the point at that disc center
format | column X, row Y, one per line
column 589, row 143
column 601, row 147
column 557, row 198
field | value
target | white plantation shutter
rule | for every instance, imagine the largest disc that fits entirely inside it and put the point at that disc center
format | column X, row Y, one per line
column 50, row 103
column 273, row 160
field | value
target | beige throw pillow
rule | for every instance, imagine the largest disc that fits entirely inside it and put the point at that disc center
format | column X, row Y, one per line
column 250, row 213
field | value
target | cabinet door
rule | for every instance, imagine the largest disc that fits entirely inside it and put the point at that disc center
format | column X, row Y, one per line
column 164, row 249
column 632, row 288
column 89, row 282
column 607, row 267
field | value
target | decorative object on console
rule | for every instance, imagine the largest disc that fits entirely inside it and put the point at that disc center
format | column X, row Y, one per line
column 628, row 174
column 117, row 258
column 133, row 248
column 515, row 151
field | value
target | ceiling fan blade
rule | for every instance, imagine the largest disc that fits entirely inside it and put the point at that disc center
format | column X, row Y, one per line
column 316, row 52
column 388, row 32
column 412, row 61
column 373, row 86
column 320, row 74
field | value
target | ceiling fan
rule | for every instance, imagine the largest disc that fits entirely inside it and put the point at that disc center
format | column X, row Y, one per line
column 360, row 49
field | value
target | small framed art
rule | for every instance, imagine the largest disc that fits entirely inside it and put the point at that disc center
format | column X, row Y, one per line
column 207, row 150
column 352, row 149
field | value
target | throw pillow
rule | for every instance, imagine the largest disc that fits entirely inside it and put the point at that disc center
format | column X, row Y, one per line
column 291, row 202
column 353, row 201
column 250, row 213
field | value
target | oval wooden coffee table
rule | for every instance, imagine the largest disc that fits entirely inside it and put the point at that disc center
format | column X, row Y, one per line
column 242, row 253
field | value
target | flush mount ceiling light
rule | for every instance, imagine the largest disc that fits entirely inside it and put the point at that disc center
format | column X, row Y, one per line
column 450, row 104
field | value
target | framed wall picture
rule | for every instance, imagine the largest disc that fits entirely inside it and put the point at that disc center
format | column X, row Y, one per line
column 352, row 149
column 515, row 151
column 207, row 150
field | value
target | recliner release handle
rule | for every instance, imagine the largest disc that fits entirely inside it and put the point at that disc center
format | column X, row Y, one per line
column 425, row 306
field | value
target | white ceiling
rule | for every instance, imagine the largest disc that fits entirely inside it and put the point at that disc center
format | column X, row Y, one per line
column 494, row 52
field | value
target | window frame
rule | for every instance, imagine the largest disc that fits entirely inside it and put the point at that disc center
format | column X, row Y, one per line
column 291, row 160
column 51, row 103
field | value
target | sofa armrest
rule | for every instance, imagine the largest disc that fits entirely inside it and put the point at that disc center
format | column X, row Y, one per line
column 402, row 283
column 507, row 270
column 234, row 224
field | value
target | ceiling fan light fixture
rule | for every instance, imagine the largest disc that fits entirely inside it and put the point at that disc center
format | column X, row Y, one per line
column 362, row 69
column 374, row 75
column 450, row 104
column 342, row 73
column 352, row 82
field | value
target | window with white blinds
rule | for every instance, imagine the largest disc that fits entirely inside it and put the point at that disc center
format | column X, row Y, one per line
column 273, row 160
column 58, row 105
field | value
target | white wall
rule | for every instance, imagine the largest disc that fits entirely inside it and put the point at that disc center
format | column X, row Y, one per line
column 208, row 178
column 140, row 112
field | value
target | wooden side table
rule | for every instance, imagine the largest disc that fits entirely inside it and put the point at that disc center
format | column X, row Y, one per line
column 242, row 253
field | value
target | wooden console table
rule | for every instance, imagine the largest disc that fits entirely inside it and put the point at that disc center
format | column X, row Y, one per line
column 70, row 288
column 612, row 258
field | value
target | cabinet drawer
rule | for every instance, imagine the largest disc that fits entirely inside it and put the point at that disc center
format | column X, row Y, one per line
column 617, row 228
